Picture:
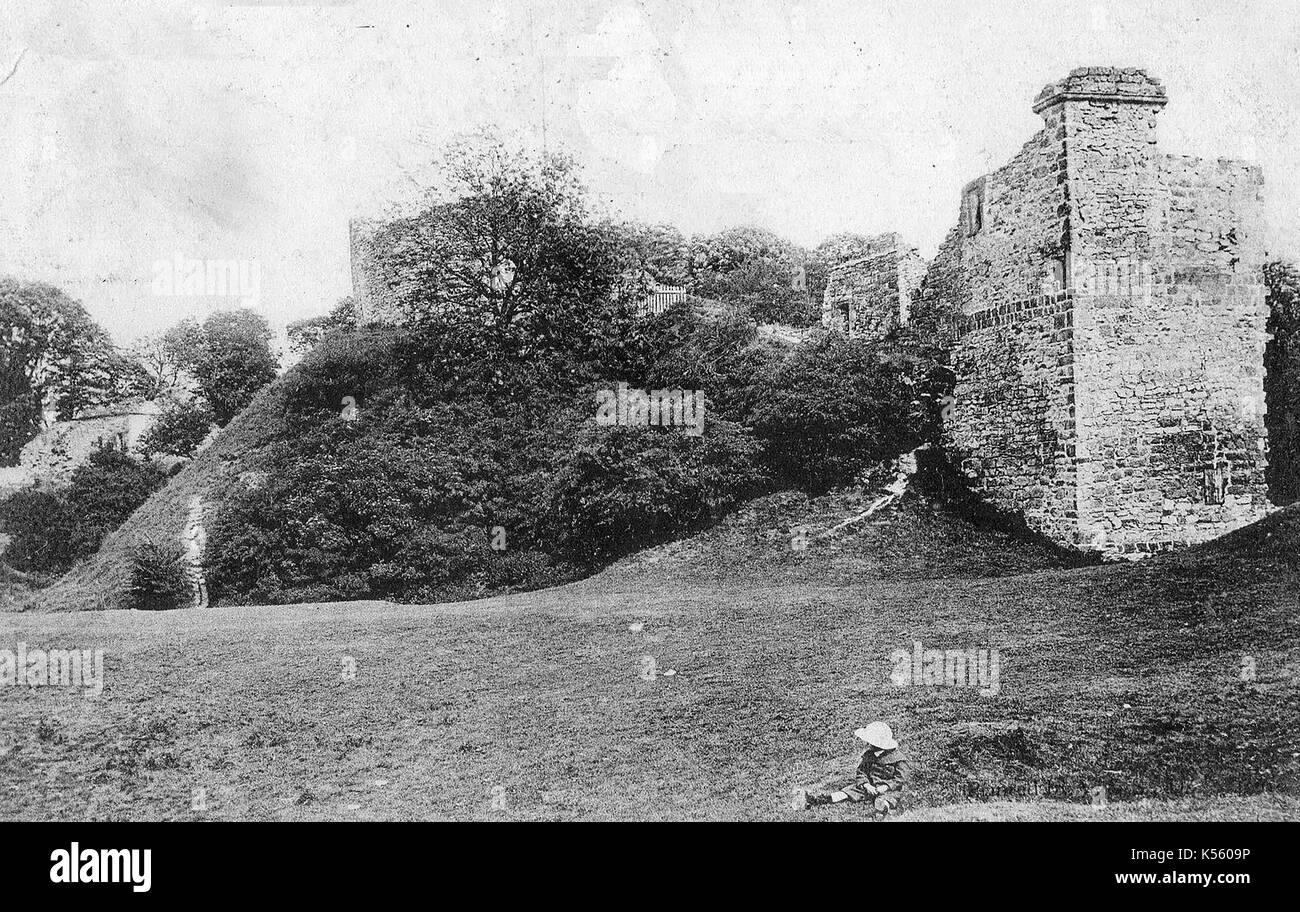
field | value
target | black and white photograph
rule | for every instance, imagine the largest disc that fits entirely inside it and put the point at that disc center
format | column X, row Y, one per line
column 421, row 416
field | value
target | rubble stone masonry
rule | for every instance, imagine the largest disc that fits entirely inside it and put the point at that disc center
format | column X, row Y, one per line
column 1105, row 308
column 371, row 296
column 1111, row 328
column 872, row 294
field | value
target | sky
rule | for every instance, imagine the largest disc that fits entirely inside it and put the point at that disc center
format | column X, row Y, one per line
column 246, row 135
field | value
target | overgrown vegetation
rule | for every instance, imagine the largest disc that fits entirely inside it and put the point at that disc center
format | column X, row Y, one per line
column 1282, row 391
column 159, row 579
column 458, row 455
column 179, row 429
column 52, row 529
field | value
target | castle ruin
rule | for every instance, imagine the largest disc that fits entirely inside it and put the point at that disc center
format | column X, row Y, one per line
column 1108, row 326
column 1104, row 303
column 871, row 294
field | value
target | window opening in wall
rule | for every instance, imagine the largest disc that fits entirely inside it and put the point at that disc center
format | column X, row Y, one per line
column 1214, row 484
column 1058, row 274
column 974, row 210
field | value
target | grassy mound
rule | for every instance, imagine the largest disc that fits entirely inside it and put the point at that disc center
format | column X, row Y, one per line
column 830, row 539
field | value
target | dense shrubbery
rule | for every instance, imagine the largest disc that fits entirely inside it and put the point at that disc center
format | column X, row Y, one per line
column 626, row 488
column 452, row 447
column 179, row 430
column 447, row 456
column 53, row 529
column 1282, row 364
column 400, row 503
column 159, row 577
column 459, row 455
column 837, row 406
column 41, row 524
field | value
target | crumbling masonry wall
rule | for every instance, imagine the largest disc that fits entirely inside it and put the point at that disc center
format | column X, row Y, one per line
column 998, row 276
column 1108, row 322
column 1173, row 447
column 871, row 295
column 371, row 295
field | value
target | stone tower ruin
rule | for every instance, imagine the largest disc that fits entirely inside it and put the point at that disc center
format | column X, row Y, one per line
column 1108, row 327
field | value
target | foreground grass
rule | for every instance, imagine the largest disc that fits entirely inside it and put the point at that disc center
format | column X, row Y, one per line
column 541, row 705
column 1199, row 810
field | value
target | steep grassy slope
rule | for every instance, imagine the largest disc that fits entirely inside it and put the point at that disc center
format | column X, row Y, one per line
column 540, row 705
column 101, row 582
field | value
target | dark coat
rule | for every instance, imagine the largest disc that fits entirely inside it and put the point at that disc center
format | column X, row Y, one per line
column 889, row 769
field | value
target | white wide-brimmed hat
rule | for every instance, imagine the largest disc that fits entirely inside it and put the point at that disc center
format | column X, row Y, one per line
column 877, row 734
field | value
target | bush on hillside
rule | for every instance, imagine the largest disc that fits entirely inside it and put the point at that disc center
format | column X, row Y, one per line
column 722, row 358
column 837, row 406
column 159, row 578
column 356, row 364
column 42, row 526
column 304, row 335
column 105, row 490
column 400, row 503
column 403, row 499
column 625, row 488
column 179, row 430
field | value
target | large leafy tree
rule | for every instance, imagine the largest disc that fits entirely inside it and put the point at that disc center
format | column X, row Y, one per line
column 160, row 357
column 229, row 355
column 505, row 248
column 662, row 251
column 51, row 351
column 755, row 268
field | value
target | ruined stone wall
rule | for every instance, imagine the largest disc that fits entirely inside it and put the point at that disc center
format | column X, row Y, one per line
column 1011, row 425
column 54, row 454
column 374, row 301
column 1170, row 380
column 869, row 296
column 1108, row 312
column 911, row 276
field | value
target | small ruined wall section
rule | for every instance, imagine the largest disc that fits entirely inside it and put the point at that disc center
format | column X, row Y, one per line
column 1021, row 233
column 51, row 457
column 374, row 301
column 911, row 276
column 871, row 295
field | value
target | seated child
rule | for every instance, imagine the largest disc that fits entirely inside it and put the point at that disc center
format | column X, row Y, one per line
column 880, row 775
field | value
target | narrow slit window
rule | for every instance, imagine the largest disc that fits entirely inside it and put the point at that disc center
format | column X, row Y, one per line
column 974, row 210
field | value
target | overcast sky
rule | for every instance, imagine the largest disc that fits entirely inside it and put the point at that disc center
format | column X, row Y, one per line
column 133, row 133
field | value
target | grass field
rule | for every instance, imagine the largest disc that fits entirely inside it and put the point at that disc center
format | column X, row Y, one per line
column 541, row 705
